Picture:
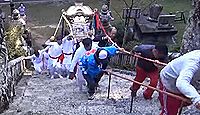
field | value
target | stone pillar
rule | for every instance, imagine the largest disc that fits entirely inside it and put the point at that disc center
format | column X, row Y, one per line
column 191, row 37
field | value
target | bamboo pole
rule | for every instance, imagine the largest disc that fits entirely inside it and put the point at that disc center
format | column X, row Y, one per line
column 57, row 26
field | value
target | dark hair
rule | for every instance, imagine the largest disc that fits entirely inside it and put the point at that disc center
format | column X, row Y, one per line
column 26, row 31
column 44, row 45
column 162, row 49
column 59, row 37
column 36, row 53
column 87, row 41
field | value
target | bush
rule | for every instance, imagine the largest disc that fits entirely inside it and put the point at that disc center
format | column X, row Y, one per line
column 13, row 40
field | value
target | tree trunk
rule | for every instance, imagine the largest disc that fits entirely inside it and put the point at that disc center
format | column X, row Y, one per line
column 191, row 37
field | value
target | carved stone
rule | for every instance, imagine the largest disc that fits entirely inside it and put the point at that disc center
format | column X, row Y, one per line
column 155, row 11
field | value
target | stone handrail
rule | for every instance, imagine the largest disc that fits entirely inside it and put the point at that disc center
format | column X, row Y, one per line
column 13, row 73
column 16, row 67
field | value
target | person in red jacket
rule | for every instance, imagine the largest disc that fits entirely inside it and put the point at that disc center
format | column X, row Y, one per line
column 146, row 68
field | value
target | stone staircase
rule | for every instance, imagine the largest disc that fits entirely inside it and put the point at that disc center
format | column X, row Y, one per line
column 40, row 95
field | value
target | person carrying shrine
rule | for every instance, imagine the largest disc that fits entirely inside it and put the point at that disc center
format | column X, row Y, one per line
column 56, row 56
column 145, row 68
column 22, row 10
column 93, row 64
column 176, row 77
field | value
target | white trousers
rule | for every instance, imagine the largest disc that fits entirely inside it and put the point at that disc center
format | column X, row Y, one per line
column 80, row 81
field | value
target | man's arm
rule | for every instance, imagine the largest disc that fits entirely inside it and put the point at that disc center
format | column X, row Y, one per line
column 111, row 50
column 78, row 54
column 45, row 49
column 29, row 57
column 99, row 37
column 137, row 49
column 184, row 86
column 49, row 41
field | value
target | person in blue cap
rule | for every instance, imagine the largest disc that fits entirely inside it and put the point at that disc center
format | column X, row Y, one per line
column 92, row 66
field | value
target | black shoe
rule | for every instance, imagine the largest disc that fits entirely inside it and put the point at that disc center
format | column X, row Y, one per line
column 133, row 93
column 90, row 96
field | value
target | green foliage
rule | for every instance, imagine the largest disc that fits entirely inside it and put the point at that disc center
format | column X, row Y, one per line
column 13, row 40
column 168, row 6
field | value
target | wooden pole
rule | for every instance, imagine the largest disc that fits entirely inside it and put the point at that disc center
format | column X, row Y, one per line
column 57, row 26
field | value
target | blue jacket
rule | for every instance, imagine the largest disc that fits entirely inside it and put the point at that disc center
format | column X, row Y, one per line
column 89, row 65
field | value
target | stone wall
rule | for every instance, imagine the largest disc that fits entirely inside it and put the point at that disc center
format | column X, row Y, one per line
column 10, row 72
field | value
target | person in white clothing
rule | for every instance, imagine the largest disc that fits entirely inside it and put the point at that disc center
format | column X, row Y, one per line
column 68, row 44
column 56, row 56
column 176, row 78
column 74, row 68
column 46, row 57
column 38, row 60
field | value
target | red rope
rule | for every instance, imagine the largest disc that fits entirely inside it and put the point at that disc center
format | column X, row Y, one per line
column 98, row 22
column 147, row 59
column 135, row 55
column 156, row 89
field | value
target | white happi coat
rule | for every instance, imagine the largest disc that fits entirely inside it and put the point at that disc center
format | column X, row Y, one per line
column 68, row 49
column 46, row 57
column 37, row 61
column 54, row 52
column 80, row 52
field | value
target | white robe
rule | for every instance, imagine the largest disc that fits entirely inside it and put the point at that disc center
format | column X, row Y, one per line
column 54, row 52
column 37, row 61
column 80, row 52
column 68, row 50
